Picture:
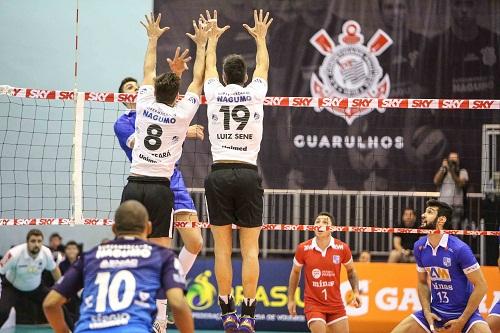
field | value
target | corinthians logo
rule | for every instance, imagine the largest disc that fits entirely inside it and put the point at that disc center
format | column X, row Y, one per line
column 201, row 293
column 350, row 69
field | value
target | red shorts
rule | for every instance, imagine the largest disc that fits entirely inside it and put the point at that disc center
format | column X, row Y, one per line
column 328, row 317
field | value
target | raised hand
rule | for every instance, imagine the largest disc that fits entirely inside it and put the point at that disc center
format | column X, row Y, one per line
column 200, row 32
column 179, row 64
column 211, row 21
column 152, row 26
column 262, row 24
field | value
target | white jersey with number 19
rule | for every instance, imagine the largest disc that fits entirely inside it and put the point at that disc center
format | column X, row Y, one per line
column 235, row 119
column 160, row 131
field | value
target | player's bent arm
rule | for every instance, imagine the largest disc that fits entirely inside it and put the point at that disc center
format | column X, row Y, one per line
column 181, row 310
column 52, row 307
column 56, row 274
column 480, row 287
column 424, row 294
column 196, row 85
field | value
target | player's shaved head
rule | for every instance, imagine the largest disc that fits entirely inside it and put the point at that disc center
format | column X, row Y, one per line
column 130, row 218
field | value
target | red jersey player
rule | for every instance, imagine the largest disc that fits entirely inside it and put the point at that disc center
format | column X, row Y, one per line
column 321, row 258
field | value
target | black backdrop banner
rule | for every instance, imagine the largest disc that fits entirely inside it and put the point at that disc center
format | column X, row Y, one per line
column 355, row 48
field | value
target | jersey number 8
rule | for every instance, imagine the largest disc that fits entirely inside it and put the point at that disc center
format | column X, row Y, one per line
column 152, row 141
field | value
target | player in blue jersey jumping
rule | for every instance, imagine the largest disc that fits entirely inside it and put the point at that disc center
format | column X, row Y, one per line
column 457, row 284
column 120, row 281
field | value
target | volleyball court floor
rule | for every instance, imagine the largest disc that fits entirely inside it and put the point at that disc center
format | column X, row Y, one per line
column 46, row 329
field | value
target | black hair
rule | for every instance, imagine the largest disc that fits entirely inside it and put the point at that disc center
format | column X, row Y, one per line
column 235, row 69
column 443, row 210
column 167, row 88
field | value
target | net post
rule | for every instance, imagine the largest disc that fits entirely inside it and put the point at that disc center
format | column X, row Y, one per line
column 77, row 159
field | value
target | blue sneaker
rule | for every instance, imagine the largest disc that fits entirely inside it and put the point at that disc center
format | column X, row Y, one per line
column 247, row 325
column 230, row 322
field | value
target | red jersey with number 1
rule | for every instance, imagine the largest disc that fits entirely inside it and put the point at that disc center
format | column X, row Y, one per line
column 322, row 273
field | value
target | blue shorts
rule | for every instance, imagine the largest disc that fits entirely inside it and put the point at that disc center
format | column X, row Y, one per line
column 496, row 310
column 182, row 199
column 420, row 318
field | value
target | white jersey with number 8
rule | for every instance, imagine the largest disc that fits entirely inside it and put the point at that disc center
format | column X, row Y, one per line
column 160, row 131
column 235, row 119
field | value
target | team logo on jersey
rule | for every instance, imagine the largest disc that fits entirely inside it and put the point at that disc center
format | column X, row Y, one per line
column 175, row 139
column 350, row 69
column 316, row 273
column 256, row 116
column 438, row 273
column 447, row 261
column 336, row 259
column 201, row 293
column 214, row 117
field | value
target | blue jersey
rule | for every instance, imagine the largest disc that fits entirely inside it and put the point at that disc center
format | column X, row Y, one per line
column 447, row 266
column 120, row 282
column 124, row 130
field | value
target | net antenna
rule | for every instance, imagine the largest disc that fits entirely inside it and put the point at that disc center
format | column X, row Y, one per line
column 77, row 136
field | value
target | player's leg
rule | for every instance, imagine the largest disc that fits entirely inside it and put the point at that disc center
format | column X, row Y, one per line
column 159, row 202
column 411, row 325
column 476, row 324
column 223, row 239
column 184, row 210
column 7, row 300
column 494, row 323
column 337, row 322
column 317, row 326
column 493, row 319
column 219, row 197
column 248, row 211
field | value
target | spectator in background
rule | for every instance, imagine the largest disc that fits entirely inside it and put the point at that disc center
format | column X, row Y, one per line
column 56, row 247
column 451, row 181
column 403, row 242
column 71, row 253
column 365, row 256
column 22, row 266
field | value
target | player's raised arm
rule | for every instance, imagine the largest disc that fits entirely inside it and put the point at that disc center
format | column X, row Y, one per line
column 154, row 32
column 214, row 34
column 259, row 32
column 200, row 39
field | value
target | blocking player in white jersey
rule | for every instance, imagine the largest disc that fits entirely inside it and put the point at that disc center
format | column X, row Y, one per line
column 234, row 188
column 160, row 129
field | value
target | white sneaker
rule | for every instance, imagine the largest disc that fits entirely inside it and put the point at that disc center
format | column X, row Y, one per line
column 160, row 326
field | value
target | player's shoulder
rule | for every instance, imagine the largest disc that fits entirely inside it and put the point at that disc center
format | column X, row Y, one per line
column 306, row 246
column 419, row 244
column 339, row 243
column 456, row 244
column 17, row 250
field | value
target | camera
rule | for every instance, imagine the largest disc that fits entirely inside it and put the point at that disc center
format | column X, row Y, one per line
column 453, row 165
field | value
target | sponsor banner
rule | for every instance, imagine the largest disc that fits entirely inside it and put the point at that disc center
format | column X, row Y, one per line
column 388, row 295
column 330, row 52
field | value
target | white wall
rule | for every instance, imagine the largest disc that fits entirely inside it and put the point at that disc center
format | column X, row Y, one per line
column 37, row 51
